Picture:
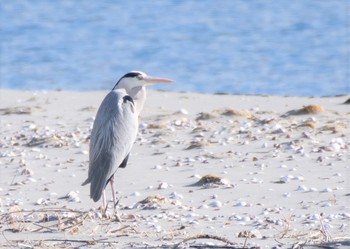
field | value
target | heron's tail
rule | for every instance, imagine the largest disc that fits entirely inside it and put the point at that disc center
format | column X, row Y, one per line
column 96, row 188
column 86, row 182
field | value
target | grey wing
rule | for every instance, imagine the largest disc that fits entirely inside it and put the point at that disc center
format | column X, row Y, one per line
column 113, row 134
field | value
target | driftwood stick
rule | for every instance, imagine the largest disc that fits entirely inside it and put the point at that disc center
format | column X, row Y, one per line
column 204, row 236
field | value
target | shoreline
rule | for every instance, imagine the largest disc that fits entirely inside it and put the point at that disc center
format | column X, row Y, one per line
column 175, row 91
column 279, row 170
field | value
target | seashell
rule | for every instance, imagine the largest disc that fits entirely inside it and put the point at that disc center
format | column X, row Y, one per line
column 192, row 214
column 83, row 152
column 255, row 180
column 327, row 204
column 158, row 166
column 327, row 226
column 40, row 201
column 31, row 179
column 163, row 185
column 215, row 203
column 193, row 222
column 134, row 194
column 346, row 215
column 176, row 196
column 241, row 204
column 245, row 219
column 302, row 188
column 72, row 196
column 204, row 206
column 327, row 190
column 256, row 234
column 285, row 179
column 52, row 194
column 181, row 111
column 313, row 189
column 300, row 178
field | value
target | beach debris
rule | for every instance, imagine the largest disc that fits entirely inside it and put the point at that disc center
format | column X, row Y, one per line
column 42, row 201
column 338, row 127
column 16, row 110
column 39, row 141
column 309, row 124
column 163, row 185
column 72, row 196
column 309, row 109
column 174, row 195
column 206, row 116
column 203, row 236
column 27, row 172
column 233, row 112
column 250, row 234
column 152, row 202
column 160, row 125
column 196, row 145
column 211, row 181
column 182, row 111
column 88, row 109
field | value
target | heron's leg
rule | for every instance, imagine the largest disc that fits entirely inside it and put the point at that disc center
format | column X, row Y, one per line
column 104, row 204
column 114, row 199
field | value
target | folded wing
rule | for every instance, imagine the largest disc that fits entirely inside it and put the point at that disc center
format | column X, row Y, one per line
column 112, row 137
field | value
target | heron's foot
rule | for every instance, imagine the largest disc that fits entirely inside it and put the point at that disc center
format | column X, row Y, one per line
column 104, row 213
column 117, row 218
column 108, row 216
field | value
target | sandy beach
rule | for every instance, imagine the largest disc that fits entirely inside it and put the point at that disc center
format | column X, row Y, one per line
column 241, row 171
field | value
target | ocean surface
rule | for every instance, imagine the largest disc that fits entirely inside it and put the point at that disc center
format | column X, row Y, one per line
column 276, row 47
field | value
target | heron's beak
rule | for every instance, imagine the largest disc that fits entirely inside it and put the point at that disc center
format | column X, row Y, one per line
column 151, row 79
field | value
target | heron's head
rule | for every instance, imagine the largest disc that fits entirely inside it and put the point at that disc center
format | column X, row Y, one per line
column 138, row 79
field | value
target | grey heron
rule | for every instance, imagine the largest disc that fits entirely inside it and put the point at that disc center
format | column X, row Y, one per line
column 114, row 131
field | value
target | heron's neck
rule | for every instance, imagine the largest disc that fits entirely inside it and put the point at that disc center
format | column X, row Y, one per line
column 138, row 94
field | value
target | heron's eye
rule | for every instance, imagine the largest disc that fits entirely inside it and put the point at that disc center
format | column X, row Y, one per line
column 139, row 77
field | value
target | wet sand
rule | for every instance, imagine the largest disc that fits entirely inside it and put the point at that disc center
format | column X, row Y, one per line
column 241, row 171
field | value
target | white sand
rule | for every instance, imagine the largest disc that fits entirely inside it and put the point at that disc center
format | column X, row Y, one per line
column 285, row 177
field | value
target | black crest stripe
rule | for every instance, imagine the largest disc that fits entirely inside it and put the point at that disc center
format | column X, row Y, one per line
column 128, row 98
column 128, row 75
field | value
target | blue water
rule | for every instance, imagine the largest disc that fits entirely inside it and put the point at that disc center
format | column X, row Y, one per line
column 277, row 47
